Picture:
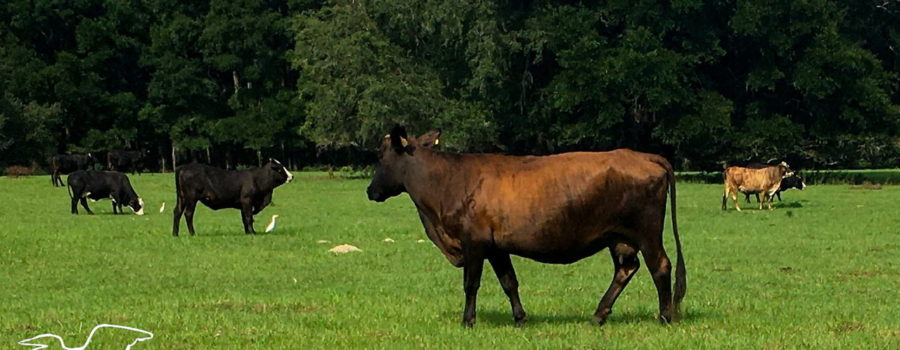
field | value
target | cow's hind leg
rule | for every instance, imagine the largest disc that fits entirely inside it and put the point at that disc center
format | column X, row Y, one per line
column 74, row 204
column 506, row 274
column 176, row 220
column 626, row 263
column 661, row 269
column 247, row 217
column 189, row 208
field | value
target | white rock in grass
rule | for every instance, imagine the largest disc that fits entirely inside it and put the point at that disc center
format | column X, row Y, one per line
column 344, row 248
column 420, row 241
column 323, row 241
column 388, row 240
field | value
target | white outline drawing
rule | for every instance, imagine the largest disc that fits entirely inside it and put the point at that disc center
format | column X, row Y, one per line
column 87, row 342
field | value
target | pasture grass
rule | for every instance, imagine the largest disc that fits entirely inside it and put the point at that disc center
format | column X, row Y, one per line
column 820, row 271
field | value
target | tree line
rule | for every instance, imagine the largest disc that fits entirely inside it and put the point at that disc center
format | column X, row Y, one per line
column 233, row 81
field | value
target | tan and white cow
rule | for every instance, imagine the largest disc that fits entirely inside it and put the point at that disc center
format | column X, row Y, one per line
column 765, row 180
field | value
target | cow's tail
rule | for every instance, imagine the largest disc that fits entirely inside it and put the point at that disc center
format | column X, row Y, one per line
column 680, row 269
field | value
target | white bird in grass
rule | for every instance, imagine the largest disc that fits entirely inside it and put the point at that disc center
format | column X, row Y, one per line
column 162, row 207
column 271, row 226
column 39, row 341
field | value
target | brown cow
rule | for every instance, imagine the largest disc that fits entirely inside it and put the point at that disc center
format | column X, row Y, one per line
column 766, row 180
column 553, row 209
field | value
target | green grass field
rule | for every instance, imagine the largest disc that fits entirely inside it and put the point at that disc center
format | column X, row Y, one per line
column 820, row 271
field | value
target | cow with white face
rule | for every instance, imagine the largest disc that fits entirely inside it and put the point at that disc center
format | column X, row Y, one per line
column 249, row 190
column 97, row 185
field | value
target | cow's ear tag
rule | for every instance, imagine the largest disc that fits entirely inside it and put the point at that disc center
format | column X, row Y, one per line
column 404, row 142
column 436, row 141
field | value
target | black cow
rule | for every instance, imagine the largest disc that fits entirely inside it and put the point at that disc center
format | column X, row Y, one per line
column 119, row 160
column 67, row 163
column 98, row 185
column 249, row 190
column 789, row 182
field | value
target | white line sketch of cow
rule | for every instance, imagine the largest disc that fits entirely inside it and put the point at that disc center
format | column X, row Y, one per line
column 39, row 346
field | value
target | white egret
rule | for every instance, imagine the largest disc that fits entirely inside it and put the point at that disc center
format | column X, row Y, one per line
column 271, row 226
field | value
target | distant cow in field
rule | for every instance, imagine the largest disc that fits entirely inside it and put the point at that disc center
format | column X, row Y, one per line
column 126, row 161
column 765, row 180
column 789, row 182
column 67, row 163
column 554, row 209
column 97, row 185
column 249, row 190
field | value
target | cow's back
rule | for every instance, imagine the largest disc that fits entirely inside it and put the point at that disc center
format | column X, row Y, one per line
column 557, row 208
column 210, row 184
column 752, row 180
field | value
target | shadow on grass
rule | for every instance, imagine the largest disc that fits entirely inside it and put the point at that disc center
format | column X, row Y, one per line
column 794, row 204
column 201, row 233
column 497, row 318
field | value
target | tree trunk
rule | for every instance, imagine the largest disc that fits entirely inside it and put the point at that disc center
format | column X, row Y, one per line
column 173, row 157
column 283, row 158
column 259, row 158
column 237, row 81
column 208, row 158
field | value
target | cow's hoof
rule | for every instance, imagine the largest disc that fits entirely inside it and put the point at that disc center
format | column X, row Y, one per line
column 600, row 318
column 521, row 322
column 663, row 319
column 468, row 323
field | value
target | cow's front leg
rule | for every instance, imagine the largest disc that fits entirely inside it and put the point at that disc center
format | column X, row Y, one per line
column 247, row 216
column 767, row 199
column 626, row 263
column 84, row 204
column 506, row 274
column 473, row 260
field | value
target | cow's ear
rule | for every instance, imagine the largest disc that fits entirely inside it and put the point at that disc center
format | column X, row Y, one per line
column 399, row 140
column 430, row 139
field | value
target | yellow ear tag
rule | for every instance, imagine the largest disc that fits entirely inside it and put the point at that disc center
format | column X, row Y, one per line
column 404, row 142
column 436, row 141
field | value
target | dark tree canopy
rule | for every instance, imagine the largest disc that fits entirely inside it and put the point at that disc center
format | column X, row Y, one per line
column 701, row 82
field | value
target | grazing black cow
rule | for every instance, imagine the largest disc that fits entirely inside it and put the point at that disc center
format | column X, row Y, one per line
column 67, row 163
column 98, row 185
column 789, row 182
column 249, row 190
column 125, row 161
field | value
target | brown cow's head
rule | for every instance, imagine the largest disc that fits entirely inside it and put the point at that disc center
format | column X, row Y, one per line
column 396, row 156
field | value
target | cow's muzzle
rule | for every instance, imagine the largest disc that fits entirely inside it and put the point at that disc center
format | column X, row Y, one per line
column 290, row 177
column 141, row 210
column 375, row 195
